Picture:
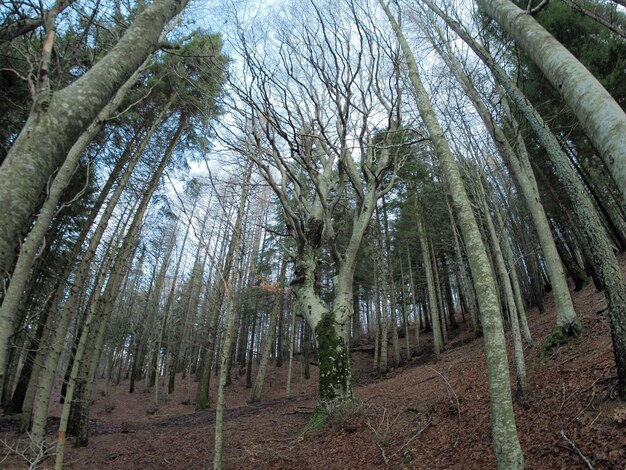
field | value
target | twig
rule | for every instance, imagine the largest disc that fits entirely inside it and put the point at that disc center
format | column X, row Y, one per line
column 580, row 454
column 456, row 397
column 565, row 399
column 415, row 436
column 296, row 412
column 382, row 452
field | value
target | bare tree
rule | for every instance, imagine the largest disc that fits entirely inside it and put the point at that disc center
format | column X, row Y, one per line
column 323, row 131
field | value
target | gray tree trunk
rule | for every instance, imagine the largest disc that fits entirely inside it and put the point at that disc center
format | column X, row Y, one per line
column 269, row 340
column 504, row 432
column 520, row 166
column 602, row 118
column 57, row 119
column 586, row 217
column 31, row 246
column 433, row 303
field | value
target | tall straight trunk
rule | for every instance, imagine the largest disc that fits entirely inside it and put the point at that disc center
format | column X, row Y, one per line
column 504, row 433
column 269, row 340
column 57, row 119
column 61, row 292
column 505, row 281
column 414, row 303
column 515, row 283
column 30, row 248
column 377, row 322
column 405, row 314
column 167, row 310
column 395, row 341
column 587, row 219
column 202, row 393
column 603, row 120
column 441, row 309
column 42, row 384
column 193, row 301
column 103, row 307
column 292, row 341
column 251, row 352
column 462, row 275
column 519, row 164
column 279, row 339
column 383, row 349
column 73, row 383
column 69, row 309
column 393, row 303
column 430, row 285
column 306, row 350
column 228, row 282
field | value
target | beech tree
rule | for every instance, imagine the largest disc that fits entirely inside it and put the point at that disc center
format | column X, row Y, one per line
column 56, row 120
column 602, row 118
column 503, row 430
column 315, row 148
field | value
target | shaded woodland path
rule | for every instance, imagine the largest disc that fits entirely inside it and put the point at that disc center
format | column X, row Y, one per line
column 422, row 415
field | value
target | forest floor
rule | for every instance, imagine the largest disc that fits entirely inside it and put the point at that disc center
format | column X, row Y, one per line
column 422, row 415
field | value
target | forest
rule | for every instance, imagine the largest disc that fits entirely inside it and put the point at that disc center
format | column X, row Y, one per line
column 312, row 234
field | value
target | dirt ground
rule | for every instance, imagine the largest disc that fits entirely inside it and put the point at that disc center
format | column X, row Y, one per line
column 423, row 415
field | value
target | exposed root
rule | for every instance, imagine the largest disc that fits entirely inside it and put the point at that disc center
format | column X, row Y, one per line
column 560, row 336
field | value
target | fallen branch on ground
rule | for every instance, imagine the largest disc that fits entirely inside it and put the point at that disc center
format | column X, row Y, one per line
column 577, row 450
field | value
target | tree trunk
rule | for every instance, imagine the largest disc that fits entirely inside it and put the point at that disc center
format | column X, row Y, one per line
column 102, row 309
column 57, row 119
column 520, row 363
column 430, row 284
column 602, row 118
column 202, row 392
column 504, row 433
column 269, row 341
column 30, row 248
column 519, row 164
column 292, row 340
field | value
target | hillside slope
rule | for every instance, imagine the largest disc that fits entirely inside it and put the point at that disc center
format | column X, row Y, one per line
column 424, row 415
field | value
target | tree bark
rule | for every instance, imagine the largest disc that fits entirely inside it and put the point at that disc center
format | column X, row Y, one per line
column 269, row 341
column 504, row 433
column 57, row 119
column 31, row 246
column 520, row 166
column 602, row 118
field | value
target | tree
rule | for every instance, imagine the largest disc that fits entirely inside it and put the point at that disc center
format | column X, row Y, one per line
column 503, row 430
column 519, row 163
column 584, row 213
column 55, row 122
column 57, row 119
column 602, row 118
column 303, row 149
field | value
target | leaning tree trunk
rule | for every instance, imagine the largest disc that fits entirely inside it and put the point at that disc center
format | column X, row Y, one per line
column 503, row 429
column 500, row 266
column 31, row 246
column 585, row 215
column 519, row 164
column 602, row 118
column 102, row 309
column 57, row 119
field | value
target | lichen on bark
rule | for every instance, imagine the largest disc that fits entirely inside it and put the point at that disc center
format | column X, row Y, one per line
column 334, row 360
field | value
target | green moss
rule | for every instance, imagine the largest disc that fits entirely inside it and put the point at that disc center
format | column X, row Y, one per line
column 560, row 336
column 333, row 360
column 317, row 420
column 339, row 413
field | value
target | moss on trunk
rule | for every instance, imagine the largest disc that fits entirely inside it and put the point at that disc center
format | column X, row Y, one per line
column 335, row 380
